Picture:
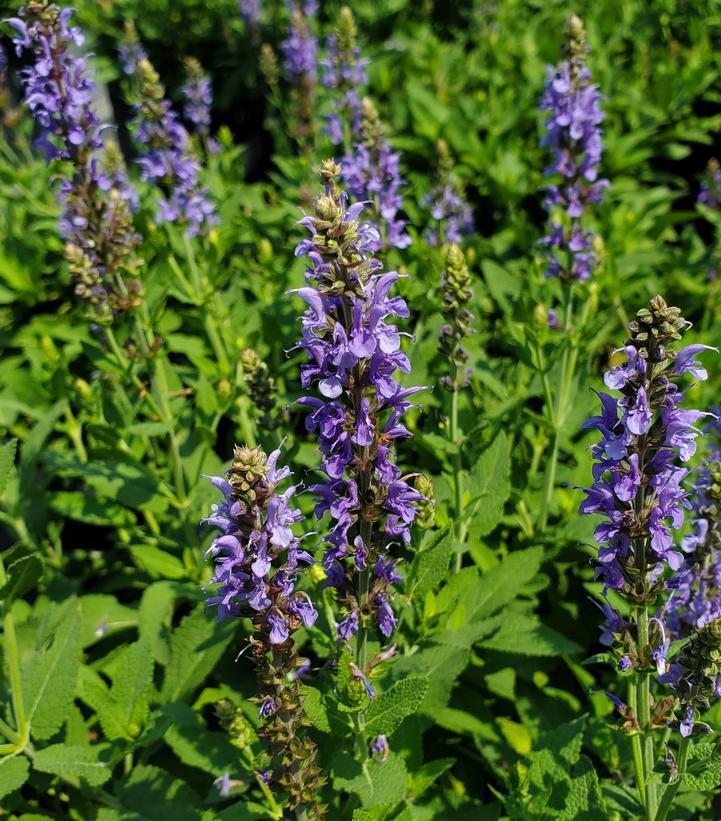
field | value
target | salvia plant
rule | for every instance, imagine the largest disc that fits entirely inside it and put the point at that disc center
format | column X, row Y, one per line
column 306, row 508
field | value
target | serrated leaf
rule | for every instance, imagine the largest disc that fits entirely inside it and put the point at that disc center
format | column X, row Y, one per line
column 386, row 712
column 72, row 762
column 375, row 782
column 155, row 614
column 430, row 566
column 195, row 647
column 152, row 793
column 14, row 773
column 102, row 615
column 528, row 637
column 49, row 676
column 314, row 708
column 131, row 685
column 93, row 690
column 441, row 666
column 7, row 462
column 707, row 777
column 197, row 746
column 82, row 507
column 22, row 575
column 490, row 487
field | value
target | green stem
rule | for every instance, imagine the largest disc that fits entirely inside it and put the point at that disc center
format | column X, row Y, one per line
column 163, row 393
column 269, row 797
column 8, row 732
column 638, row 767
column 644, row 713
column 459, row 525
column 557, row 414
column 671, row 790
column 75, row 433
column 216, row 342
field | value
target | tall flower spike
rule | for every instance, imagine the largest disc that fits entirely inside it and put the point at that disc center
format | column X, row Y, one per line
column 646, row 436
column 457, row 293
column 696, row 599
column 345, row 72
column 257, row 562
column 198, row 94
column 447, row 203
column 354, row 352
column 372, row 174
column 96, row 195
column 573, row 132
column 166, row 157
column 300, row 50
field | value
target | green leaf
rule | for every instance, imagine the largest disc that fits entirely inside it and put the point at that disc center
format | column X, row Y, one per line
column 196, row 745
column 430, row 565
column 155, row 614
column 158, row 563
column 131, row 686
column 83, row 507
column 703, row 777
column 14, row 773
column 375, row 782
column 49, row 676
column 425, row 776
column 441, row 666
column 195, row 647
column 7, row 463
column 314, row 708
column 151, row 793
column 526, row 636
column 102, row 615
column 387, row 711
column 74, row 762
column 22, row 575
column 490, row 487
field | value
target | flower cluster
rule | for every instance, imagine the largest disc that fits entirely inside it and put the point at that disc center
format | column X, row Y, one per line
column 574, row 135
column 166, row 154
column 447, row 203
column 300, row 48
column 646, row 435
column 710, row 193
column 257, row 561
column 354, row 352
column 198, row 94
column 696, row 600
column 456, row 288
column 96, row 196
column 251, row 12
column 345, row 72
column 372, row 174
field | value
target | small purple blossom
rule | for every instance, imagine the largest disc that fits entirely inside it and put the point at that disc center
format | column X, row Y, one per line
column 710, row 193
column 300, row 48
column 198, row 94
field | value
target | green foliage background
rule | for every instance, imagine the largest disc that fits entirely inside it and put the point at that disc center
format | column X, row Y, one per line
column 121, row 666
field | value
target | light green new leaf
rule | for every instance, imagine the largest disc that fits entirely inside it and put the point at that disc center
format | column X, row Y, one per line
column 387, row 711
column 74, row 762
column 195, row 647
column 13, row 774
column 49, row 676
column 428, row 774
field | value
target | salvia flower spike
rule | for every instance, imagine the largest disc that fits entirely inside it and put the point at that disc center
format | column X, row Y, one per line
column 258, row 560
column 198, row 95
column 354, row 352
column 573, row 133
column 345, row 72
column 96, row 196
column 457, row 293
column 448, row 206
column 647, row 436
column 372, row 174
column 166, row 156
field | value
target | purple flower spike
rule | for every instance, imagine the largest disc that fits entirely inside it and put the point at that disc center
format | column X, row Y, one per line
column 574, row 135
column 354, row 352
column 645, row 436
